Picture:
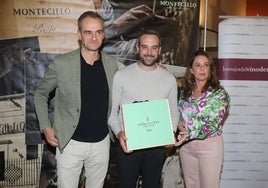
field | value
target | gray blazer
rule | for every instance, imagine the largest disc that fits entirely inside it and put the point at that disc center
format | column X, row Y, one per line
column 63, row 74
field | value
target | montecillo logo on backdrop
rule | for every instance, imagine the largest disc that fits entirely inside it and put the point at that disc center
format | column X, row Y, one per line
column 41, row 11
column 178, row 4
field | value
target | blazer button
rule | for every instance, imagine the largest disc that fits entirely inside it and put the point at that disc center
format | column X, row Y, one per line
column 74, row 126
column 77, row 110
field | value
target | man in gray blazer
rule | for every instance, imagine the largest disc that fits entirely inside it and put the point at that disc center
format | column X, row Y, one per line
column 82, row 80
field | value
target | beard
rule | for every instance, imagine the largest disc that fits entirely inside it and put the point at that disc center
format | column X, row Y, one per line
column 149, row 63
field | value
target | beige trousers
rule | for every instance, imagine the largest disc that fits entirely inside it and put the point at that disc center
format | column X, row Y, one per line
column 201, row 162
column 93, row 156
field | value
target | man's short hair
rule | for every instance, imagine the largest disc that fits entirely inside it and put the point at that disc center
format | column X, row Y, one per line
column 149, row 32
column 90, row 14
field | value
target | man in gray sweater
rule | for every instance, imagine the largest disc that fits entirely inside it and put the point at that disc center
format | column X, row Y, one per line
column 142, row 81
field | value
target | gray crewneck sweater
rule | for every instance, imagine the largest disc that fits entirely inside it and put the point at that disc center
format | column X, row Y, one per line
column 132, row 83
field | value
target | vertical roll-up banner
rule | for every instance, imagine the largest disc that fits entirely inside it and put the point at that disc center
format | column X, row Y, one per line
column 33, row 32
column 243, row 71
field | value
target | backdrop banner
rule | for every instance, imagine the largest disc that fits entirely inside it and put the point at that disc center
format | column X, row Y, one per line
column 243, row 70
column 33, row 32
column 54, row 22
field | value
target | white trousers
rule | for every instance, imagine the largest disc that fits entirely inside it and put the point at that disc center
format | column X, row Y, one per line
column 93, row 156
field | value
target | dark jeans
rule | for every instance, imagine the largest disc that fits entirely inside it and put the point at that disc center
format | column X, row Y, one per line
column 145, row 162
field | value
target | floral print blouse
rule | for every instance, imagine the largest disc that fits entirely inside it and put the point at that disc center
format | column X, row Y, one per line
column 204, row 116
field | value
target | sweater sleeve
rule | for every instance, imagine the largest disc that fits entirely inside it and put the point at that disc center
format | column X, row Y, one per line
column 173, row 100
column 115, row 118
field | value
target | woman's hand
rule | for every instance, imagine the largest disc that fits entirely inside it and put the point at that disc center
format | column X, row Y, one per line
column 183, row 134
column 182, row 137
column 181, row 126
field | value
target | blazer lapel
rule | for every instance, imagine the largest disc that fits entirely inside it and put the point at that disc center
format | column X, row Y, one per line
column 75, row 66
